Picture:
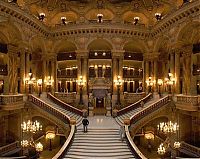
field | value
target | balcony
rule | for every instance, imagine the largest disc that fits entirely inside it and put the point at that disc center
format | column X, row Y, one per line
column 11, row 102
column 132, row 73
column 4, row 70
column 67, row 73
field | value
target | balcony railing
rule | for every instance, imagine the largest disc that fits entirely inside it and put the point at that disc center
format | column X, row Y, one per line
column 66, row 97
column 11, row 99
column 130, row 98
column 192, row 150
column 185, row 99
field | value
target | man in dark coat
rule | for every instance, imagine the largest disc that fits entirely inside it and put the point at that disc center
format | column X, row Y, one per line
column 85, row 123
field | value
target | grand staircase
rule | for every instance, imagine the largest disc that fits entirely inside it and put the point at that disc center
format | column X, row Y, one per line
column 101, row 141
column 69, row 113
column 120, row 119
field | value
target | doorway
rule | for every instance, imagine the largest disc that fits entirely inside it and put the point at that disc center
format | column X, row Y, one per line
column 100, row 102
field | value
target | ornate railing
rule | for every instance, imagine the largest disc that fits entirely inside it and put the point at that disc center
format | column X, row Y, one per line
column 190, row 148
column 10, row 99
column 66, row 97
column 138, row 116
column 66, row 145
column 62, row 116
column 182, row 99
column 151, row 108
column 9, row 147
column 64, row 105
column 130, row 98
column 134, row 105
column 132, row 145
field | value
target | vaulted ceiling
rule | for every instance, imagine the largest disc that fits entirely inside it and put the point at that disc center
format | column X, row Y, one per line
column 123, row 10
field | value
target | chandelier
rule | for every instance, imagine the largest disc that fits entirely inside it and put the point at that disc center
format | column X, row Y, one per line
column 177, row 145
column 168, row 127
column 30, row 126
column 161, row 149
column 27, row 143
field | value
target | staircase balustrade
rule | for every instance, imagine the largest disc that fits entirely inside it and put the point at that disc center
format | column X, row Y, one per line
column 66, row 97
column 151, row 108
column 190, row 148
column 62, row 116
column 138, row 116
column 65, row 105
column 134, row 105
column 9, row 147
column 132, row 145
column 66, row 145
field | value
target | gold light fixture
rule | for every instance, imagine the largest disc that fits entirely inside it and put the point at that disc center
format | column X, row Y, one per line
column 149, row 136
column 161, row 149
column 118, row 81
column 177, row 145
column 30, row 126
column 168, row 127
column 136, row 20
column 39, row 147
column 99, row 16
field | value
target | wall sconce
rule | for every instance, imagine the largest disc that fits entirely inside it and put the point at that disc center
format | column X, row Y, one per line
column 100, row 16
column 63, row 19
column 136, row 20
column 158, row 16
column 41, row 16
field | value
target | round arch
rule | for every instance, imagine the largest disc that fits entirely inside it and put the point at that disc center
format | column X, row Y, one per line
column 99, row 44
column 64, row 46
column 135, row 46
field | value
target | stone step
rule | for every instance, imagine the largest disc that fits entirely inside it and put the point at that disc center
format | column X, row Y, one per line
column 97, row 147
column 103, row 144
column 83, row 157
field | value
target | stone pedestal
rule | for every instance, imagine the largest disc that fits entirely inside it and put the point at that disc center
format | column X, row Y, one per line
column 115, row 112
column 108, row 113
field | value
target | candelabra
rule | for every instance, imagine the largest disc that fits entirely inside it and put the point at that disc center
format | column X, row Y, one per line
column 50, row 135
column 81, row 83
column 160, row 83
column 30, row 80
column 49, row 81
column 168, row 127
column 170, row 82
column 31, row 126
column 118, row 83
column 150, row 83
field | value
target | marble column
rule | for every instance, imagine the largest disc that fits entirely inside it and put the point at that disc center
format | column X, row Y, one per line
column 187, row 50
column 12, row 69
column 193, row 85
column 146, row 74
column 44, row 70
column 177, row 71
column 115, row 73
column 155, row 75
column 22, row 70
column 172, row 63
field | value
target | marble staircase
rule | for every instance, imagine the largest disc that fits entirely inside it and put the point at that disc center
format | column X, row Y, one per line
column 69, row 113
column 101, row 141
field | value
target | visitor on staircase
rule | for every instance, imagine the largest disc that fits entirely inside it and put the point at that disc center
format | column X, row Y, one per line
column 85, row 123
column 122, row 132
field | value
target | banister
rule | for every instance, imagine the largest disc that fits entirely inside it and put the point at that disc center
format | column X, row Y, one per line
column 62, row 116
column 132, row 145
column 154, row 106
column 64, row 105
column 9, row 147
column 136, row 117
column 134, row 105
column 193, row 149
column 63, row 149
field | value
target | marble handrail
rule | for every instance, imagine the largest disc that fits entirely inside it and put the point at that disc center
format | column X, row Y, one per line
column 151, row 108
column 66, row 145
column 134, row 105
column 10, row 99
column 136, row 117
column 194, row 100
column 132, row 145
column 193, row 149
column 9, row 147
column 62, row 116
column 65, row 105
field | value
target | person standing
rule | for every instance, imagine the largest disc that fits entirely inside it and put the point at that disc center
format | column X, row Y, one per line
column 85, row 123
column 122, row 133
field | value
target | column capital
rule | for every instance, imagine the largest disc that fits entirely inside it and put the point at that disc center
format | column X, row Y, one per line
column 12, row 49
column 82, row 53
column 51, row 56
column 187, row 50
column 151, row 56
column 118, row 53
